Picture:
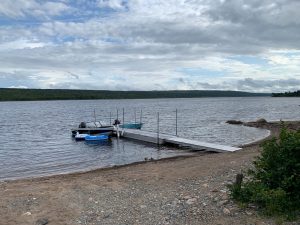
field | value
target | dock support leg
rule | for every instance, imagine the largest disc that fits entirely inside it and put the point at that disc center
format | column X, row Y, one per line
column 158, row 128
column 176, row 122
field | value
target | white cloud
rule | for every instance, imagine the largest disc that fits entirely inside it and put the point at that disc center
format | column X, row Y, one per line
column 113, row 4
column 20, row 86
column 21, row 44
column 142, row 44
column 22, row 8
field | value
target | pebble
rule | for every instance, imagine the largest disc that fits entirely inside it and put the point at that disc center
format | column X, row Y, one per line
column 182, row 202
column 191, row 201
column 226, row 211
column 43, row 221
column 143, row 206
column 249, row 213
column 187, row 197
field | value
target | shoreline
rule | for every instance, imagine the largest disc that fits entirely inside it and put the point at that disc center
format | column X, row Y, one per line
column 181, row 190
column 98, row 170
column 191, row 153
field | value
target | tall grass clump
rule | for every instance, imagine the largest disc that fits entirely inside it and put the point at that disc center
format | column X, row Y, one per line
column 274, row 184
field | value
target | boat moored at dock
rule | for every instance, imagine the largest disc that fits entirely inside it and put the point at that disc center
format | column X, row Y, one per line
column 93, row 128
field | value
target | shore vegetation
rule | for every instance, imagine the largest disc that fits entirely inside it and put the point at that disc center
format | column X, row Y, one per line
column 287, row 94
column 17, row 94
column 274, row 182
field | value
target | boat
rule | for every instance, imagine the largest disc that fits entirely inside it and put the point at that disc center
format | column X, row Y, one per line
column 93, row 128
column 131, row 125
column 80, row 137
column 96, row 138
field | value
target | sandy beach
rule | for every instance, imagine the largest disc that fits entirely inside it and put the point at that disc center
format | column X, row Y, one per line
column 182, row 190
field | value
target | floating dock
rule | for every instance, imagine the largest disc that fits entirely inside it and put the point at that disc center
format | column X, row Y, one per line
column 162, row 139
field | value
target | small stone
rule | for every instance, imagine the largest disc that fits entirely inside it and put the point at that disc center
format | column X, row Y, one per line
column 249, row 213
column 43, row 221
column 187, row 197
column 191, row 201
column 106, row 216
column 27, row 214
column 226, row 211
column 143, row 206
column 205, row 185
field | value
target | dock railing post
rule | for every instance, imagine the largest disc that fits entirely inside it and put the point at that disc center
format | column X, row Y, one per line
column 176, row 122
column 141, row 116
column 135, row 116
column 109, row 118
column 118, row 133
column 123, row 117
column 157, row 128
column 117, row 114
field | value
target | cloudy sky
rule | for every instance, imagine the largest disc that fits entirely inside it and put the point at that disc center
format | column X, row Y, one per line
column 151, row 44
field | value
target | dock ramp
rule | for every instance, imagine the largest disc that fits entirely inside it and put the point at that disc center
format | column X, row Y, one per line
column 161, row 139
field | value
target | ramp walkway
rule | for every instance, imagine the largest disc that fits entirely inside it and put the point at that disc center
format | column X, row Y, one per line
column 162, row 139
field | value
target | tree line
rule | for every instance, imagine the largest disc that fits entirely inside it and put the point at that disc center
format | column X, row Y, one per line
column 16, row 94
column 287, row 94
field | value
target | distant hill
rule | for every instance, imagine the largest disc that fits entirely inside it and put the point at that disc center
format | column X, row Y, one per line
column 287, row 94
column 15, row 94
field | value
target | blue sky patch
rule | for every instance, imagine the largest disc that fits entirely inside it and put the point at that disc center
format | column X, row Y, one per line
column 252, row 60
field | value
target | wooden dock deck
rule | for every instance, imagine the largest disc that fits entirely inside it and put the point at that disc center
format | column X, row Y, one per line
column 153, row 137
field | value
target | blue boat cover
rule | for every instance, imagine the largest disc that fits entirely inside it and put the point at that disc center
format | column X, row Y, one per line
column 96, row 137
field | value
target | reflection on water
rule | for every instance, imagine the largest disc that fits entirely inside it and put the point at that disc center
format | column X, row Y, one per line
column 36, row 138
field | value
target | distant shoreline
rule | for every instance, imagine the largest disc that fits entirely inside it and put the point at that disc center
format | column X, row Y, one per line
column 18, row 94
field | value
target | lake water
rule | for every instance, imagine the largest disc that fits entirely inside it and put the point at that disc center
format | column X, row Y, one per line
column 36, row 138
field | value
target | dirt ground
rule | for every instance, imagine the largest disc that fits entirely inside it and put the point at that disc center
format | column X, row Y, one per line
column 184, row 190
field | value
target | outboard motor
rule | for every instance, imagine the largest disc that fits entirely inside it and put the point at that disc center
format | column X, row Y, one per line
column 82, row 125
column 116, row 122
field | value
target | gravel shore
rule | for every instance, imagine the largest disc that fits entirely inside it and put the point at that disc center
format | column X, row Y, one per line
column 185, row 190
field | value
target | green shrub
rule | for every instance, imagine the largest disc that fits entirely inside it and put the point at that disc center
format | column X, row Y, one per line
column 274, row 184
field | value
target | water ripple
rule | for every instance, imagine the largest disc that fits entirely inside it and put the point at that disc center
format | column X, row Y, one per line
column 35, row 138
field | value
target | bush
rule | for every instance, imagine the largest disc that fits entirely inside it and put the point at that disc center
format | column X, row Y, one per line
column 274, row 184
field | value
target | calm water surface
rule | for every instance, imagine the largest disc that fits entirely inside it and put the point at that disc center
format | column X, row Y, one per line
column 36, row 138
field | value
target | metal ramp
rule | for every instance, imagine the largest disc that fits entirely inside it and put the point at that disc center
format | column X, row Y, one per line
column 161, row 139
